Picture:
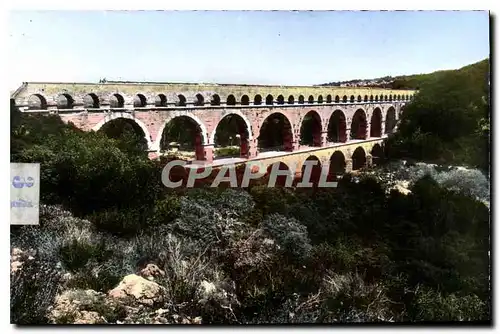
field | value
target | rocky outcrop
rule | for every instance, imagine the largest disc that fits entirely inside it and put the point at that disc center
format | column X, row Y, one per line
column 140, row 289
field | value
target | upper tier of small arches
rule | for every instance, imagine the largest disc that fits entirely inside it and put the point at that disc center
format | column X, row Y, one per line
column 116, row 100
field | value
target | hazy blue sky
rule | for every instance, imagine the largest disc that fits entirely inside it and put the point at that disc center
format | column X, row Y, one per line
column 275, row 47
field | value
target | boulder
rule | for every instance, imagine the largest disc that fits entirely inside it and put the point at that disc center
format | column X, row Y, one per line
column 143, row 291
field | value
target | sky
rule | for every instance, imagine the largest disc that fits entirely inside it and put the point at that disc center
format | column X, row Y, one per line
column 253, row 47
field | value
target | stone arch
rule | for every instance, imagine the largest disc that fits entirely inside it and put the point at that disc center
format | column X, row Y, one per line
column 245, row 100
column 386, row 98
column 315, row 172
column 181, row 101
column 337, row 127
column 358, row 158
column 320, row 99
column 269, row 99
column 242, row 128
column 337, row 164
column 117, row 115
column 257, row 100
column 116, row 101
column 243, row 117
column 377, row 153
column 407, row 97
column 291, row 99
column 310, row 100
column 199, row 139
column 276, row 132
column 91, row 100
column 329, row 98
column 65, row 101
column 301, row 99
column 376, row 98
column 359, row 98
column 390, row 97
column 215, row 100
column 139, row 101
column 310, row 129
column 280, row 179
column 359, row 125
column 399, row 97
column 37, row 102
column 352, row 99
column 160, row 100
column 390, row 120
column 366, row 98
column 337, row 99
column 175, row 114
column 344, row 99
column 199, row 100
column 281, row 99
column 371, row 98
column 376, row 123
column 231, row 100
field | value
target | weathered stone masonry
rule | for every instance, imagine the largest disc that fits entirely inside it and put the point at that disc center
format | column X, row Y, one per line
column 151, row 106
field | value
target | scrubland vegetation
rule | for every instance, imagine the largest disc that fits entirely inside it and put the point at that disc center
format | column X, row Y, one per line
column 115, row 246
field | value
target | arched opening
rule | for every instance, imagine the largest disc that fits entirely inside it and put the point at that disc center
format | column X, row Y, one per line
column 280, row 179
column 315, row 171
column 91, row 101
column 377, row 155
column 281, row 99
column 337, row 165
column 269, row 99
column 358, row 125
column 127, row 130
column 116, row 101
column 352, row 99
column 310, row 129
column 407, row 98
column 390, row 120
column 245, row 100
column 231, row 100
column 320, row 99
column 371, row 98
column 200, row 100
column 291, row 99
column 386, row 98
column 337, row 127
column 181, row 101
column 231, row 137
column 311, row 99
column 161, row 100
column 376, row 123
column 301, row 99
column 139, row 101
column 257, row 100
column 215, row 101
column 390, row 97
column 37, row 102
column 376, row 98
column 359, row 98
column 366, row 98
column 358, row 158
column 328, row 98
column 337, row 99
column 65, row 101
column 344, row 99
column 275, row 134
column 183, row 136
column 399, row 97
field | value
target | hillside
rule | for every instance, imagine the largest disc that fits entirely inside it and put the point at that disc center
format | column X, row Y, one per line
column 414, row 81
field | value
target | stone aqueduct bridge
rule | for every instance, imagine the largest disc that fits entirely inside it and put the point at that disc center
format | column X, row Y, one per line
column 345, row 120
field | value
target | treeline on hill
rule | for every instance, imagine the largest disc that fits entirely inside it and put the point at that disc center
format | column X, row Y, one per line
column 449, row 119
column 414, row 81
column 355, row 253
